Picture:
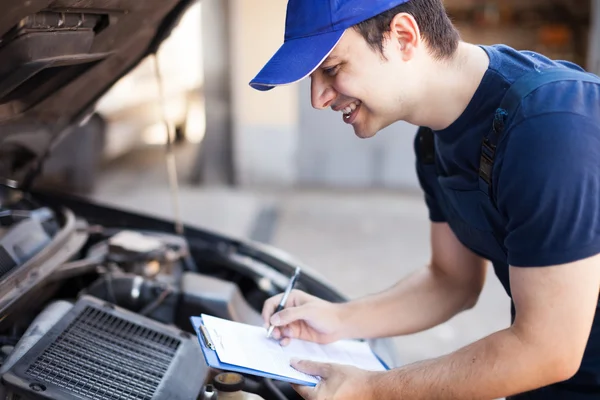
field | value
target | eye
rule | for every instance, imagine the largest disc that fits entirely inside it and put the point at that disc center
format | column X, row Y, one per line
column 331, row 71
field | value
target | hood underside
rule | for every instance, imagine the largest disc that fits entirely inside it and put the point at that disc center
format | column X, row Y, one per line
column 60, row 56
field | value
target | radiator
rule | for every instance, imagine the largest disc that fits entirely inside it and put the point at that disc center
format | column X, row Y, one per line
column 101, row 352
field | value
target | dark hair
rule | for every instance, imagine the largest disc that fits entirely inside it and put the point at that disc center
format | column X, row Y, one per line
column 435, row 25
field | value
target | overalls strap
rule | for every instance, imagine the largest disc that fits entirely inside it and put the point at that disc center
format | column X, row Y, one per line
column 520, row 89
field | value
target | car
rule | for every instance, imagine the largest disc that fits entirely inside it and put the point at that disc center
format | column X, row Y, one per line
column 95, row 302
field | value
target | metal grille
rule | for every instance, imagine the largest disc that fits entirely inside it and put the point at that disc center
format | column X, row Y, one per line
column 103, row 357
column 6, row 262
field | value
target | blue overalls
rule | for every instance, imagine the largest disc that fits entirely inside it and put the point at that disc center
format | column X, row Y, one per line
column 471, row 213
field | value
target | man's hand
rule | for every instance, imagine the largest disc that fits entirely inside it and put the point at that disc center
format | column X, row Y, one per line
column 305, row 317
column 338, row 382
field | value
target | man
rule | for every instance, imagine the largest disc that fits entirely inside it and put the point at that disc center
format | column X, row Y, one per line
column 527, row 199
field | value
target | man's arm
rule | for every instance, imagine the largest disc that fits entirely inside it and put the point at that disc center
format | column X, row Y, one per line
column 555, row 309
column 432, row 295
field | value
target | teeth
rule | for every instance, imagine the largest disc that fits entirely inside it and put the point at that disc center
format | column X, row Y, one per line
column 351, row 107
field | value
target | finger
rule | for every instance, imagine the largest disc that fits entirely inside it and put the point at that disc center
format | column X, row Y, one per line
column 288, row 332
column 276, row 334
column 269, row 307
column 289, row 315
column 297, row 297
column 285, row 341
column 306, row 392
column 312, row 368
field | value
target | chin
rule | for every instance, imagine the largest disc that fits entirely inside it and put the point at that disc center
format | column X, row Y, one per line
column 363, row 133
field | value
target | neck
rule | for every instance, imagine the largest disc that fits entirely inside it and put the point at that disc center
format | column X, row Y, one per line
column 450, row 87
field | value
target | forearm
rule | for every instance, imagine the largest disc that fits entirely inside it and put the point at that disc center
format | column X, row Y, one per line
column 497, row 366
column 421, row 301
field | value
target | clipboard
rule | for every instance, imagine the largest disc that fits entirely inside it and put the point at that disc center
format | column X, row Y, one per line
column 212, row 359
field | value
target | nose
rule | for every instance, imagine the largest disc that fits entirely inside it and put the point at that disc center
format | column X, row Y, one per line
column 321, row 93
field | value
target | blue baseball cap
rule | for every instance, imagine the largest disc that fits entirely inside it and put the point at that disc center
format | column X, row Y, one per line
column 312, row 29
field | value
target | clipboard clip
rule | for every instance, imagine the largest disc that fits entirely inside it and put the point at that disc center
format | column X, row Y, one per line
column 206, row 337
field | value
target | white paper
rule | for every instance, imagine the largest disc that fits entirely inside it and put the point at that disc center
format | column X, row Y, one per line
column 248, row 346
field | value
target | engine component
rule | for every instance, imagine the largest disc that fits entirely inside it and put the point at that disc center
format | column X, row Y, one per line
column 130, row 244
column 24, row 231
column 9, row 195
column 25, row 278
column 154, row 299
column 20, row 243
column 169, row 303
column 205, row 294
column 144, row 253
column 100, row 352
column 230, row 386
column 43, row 215
column 38, row 328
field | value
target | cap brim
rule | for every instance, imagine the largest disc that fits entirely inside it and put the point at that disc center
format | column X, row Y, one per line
column 295, row 60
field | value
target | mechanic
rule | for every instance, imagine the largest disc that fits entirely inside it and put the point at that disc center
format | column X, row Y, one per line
column 514, row 180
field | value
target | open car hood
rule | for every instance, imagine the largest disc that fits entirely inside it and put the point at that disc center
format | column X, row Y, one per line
column 59, row 57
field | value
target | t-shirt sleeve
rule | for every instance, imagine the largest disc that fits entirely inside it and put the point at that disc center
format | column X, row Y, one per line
column 549, row 190
column 426, row 175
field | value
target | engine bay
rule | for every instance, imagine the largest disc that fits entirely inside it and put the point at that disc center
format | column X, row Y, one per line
column 98, row 306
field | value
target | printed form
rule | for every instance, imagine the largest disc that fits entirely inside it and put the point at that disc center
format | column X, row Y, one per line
column 248, row 346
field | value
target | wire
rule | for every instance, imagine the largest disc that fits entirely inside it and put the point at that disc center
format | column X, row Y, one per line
column 170, row 157
column 109, row 288
column 159, row 300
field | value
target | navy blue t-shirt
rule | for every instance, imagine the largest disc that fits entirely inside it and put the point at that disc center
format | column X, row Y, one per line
column 545, row 184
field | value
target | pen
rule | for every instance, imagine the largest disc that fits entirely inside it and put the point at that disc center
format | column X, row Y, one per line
column 286, row 294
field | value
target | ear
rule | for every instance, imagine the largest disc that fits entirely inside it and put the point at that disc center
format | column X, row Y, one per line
column 405, row 35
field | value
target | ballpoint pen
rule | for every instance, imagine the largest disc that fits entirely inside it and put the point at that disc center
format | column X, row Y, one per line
column 286, row 294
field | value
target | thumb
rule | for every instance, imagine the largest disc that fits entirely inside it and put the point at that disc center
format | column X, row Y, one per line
column 311, row 367
column 289, row 315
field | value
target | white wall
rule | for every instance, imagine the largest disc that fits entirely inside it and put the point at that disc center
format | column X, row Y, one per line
column 265, row 123
column 329, row 154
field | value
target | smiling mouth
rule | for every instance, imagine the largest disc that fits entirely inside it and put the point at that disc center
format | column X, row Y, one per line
column 350, row 112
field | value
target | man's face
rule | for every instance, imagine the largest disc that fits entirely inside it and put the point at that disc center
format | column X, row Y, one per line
column 361, row 85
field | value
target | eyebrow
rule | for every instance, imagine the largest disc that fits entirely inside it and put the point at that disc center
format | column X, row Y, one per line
column 330, row 58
